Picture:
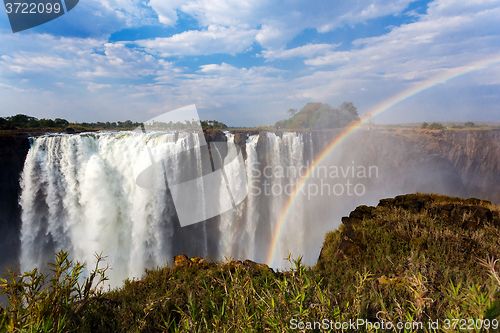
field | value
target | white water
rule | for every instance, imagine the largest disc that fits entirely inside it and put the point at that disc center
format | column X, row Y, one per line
column 79, row 194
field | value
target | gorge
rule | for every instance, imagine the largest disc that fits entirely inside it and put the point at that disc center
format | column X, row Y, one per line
column 78, row 192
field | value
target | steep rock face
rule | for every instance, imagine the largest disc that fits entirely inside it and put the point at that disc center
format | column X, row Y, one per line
column 407, row 161
column 13, row 150
column 457, row 163
column 475, row 155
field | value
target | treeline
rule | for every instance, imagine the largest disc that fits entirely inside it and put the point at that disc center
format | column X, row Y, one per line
column 24, row 121
column 27, row 122
column 439, row 126
column 319, row 116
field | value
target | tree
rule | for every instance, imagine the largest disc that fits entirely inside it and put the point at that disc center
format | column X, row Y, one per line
column 21, row 120
column 424, row 125
column 470, row 124
column 61, row 122
column 292, row 112
column 349, row 108
column 437, row 126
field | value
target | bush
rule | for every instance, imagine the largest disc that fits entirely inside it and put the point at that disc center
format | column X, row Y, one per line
column 436, row 126
column 50, row 302
column 319, row 116
column 469, row 124
column 424, row 125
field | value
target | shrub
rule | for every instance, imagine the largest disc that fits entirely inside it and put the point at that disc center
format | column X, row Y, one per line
column 436, row 126
column 50, row 302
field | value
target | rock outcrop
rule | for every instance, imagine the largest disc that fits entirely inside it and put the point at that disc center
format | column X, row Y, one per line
column 182, row 261
column 459, row 214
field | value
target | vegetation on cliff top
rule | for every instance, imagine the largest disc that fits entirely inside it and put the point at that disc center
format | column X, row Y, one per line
column 415, row 258
column 319, row 116
column 21, row 121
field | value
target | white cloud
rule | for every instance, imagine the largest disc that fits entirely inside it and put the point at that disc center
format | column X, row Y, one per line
column 352, row 13
column 93, row 87
column 34, row 63
column 74, row 57
column 277, row 22
column 166, row 10
column 432, row 43
column 306, row 51
column 10, row 87
column 222, row 68
column 215, row 39
column 227, row 12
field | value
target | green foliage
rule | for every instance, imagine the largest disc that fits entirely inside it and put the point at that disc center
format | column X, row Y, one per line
column 424, row 125
column 24, row 121
column 436, row 126
column 469, row 124
column 282, row 124
column 53, row 302
column 455, row 126
column 213, row 124
column 319, row 116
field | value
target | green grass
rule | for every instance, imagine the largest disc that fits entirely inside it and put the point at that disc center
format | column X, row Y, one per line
column 416, row 258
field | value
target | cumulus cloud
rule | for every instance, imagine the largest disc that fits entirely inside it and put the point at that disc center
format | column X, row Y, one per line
column 277, row 22
column 214, row 39
column 75, row 57
column 435, row 39
column 166, row 10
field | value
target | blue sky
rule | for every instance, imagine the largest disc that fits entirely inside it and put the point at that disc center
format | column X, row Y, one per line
column 247, row 62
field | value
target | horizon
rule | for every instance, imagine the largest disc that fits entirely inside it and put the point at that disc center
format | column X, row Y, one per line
column 417, row 123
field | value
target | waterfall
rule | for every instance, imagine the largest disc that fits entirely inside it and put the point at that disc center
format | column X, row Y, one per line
column 79, row 194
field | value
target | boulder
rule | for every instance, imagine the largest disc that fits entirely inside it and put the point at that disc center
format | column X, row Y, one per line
column 181, row 260
column 257, row 266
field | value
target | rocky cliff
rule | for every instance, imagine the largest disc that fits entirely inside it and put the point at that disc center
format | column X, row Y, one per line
column 13, row 150
column 476, row 157
column 457, row 163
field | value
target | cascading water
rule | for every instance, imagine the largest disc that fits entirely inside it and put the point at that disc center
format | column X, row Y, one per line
column 79, row 193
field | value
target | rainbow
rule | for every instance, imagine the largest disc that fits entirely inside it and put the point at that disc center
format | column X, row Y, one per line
column 387, row 104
